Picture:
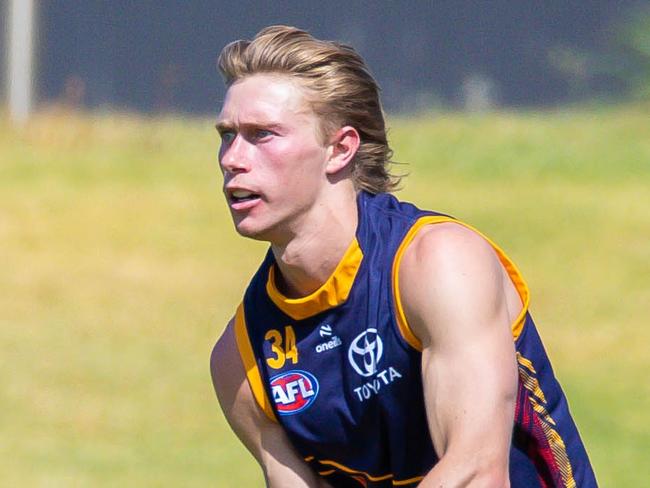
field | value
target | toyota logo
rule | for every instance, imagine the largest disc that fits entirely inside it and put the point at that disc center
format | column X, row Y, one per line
column 365, row 352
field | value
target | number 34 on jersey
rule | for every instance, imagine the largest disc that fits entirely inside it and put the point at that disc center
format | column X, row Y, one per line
column 283, row 347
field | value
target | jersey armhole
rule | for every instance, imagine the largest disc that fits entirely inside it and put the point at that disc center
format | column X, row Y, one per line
column 515, row 276
column 250, row 365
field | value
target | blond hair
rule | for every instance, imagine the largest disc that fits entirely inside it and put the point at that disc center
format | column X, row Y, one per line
column 345, row 93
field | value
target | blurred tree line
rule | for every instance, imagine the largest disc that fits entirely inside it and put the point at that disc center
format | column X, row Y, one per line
column 635, row 47
column 159, row 57
column 620, row 67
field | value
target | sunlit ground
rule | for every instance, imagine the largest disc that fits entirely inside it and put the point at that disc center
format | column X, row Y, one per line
column 119, row 268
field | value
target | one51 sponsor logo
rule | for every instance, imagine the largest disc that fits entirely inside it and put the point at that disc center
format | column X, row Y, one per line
column 331, row 342
column 325, row 330
column 364, row 355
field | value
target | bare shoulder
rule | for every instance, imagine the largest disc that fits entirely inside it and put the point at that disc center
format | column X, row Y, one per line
column 449, row 240
column 233, row 391
column 449, row 274
column 227, row 376
column 236, row 399
column 222, row 352
column 263, row 437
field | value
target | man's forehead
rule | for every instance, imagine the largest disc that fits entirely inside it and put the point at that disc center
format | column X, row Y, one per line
column 264, row 99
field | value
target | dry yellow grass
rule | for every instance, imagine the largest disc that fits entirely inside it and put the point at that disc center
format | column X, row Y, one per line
column 119, row 267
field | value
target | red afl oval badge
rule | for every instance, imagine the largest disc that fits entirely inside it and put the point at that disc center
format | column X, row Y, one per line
column 293, row 391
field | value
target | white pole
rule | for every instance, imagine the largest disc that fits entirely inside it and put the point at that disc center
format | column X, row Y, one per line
column 21, row 26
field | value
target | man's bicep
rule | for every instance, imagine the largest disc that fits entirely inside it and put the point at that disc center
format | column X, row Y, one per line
column 264, row 438
column 452, row 289
column 469, row 398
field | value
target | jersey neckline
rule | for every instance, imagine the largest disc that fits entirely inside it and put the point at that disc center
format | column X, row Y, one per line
column 332, row 293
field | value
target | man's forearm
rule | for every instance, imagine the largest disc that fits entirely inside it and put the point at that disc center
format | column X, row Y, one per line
column 469, row 472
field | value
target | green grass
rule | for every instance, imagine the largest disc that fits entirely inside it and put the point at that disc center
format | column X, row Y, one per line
column 120, row 268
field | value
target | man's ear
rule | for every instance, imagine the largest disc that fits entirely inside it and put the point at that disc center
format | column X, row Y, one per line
column 344, row 145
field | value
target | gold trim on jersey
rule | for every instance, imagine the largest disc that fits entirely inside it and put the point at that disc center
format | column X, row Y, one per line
column 332, row 293
column 528, row 377
column 250, row 365
column 511, row 269
column 369, row 477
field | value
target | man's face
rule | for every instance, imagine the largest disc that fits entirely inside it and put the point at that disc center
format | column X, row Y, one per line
column 271, row 157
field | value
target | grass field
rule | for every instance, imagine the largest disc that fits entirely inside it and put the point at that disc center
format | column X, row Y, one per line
column 119, row 268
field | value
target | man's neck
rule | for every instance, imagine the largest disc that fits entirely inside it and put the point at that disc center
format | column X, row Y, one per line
column 308, row 260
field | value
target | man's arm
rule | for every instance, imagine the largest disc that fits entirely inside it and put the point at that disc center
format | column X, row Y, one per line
column 264, row 438
column 460, row 303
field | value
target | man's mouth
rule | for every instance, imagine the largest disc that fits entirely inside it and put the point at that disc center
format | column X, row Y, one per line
column 241, row 200
column 239, row 196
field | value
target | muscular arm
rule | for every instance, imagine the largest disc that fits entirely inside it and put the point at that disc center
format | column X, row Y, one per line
column 264, row 438
column 460, row 303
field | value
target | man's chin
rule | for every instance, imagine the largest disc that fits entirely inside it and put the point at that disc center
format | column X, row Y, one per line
column 251, row 232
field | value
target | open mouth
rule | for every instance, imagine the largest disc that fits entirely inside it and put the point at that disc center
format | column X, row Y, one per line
column 241, row 196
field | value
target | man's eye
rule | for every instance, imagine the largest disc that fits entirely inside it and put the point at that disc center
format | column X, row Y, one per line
column 262, row 133
column 227, row 137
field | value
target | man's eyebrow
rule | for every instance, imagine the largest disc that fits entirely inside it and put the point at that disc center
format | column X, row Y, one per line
column 222, row 126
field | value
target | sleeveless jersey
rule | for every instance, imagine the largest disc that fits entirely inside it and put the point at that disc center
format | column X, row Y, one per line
column 340, row 369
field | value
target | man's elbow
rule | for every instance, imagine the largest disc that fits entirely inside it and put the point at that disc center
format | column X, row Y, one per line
column 493, row 474
column 493, row 479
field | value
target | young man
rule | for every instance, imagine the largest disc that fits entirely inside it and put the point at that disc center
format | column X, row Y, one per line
column 377, row 344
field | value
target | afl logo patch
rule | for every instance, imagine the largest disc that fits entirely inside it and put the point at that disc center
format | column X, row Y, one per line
column 294, row 391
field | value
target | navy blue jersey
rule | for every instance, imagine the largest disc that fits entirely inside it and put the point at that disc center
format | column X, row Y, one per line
column 340, row 369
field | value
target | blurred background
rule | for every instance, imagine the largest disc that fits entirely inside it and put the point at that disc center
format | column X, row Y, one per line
column 160, row 56
column 119, row 266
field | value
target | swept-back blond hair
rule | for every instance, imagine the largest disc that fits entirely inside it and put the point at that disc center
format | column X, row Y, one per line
column 340, row 90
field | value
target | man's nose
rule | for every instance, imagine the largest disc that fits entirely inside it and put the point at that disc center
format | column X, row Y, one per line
column 235, row 157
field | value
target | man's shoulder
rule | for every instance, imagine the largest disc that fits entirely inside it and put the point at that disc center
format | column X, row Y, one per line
column 224, row 361
column 230, row 383
column 449, row 256
column 447, row 270
column 446, row 243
